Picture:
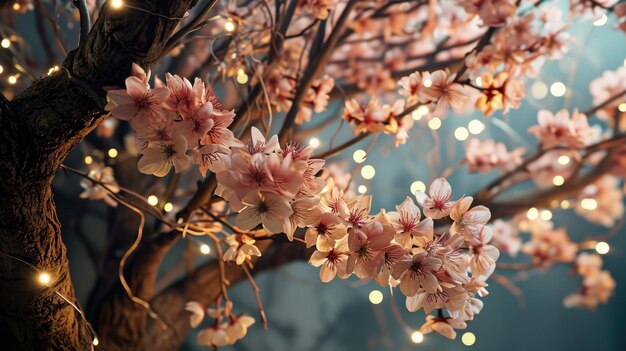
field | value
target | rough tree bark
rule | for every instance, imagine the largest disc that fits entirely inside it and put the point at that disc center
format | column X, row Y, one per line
column 38, row 128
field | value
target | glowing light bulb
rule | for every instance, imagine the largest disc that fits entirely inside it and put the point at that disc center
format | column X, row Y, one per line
column 417, row 337
column 546, row 215
column 117, row 4
column 95, row 341
column 1, row 69
column 416, row 115
column 434, row 123
column 376, row 297
column 558, row 89
column 314, row 142
column 468, row 339
column 558, row 180
column 368, row 172
column 12, row 80
column 533, row 213
column 168, row 207
column 44, row 278
column 602, row 248
column 205, row 249
column 229, row 25
column 565, row 204
column 476, row 127
column 112, row 152
column 479, row 82
column 601, row 21
column 5, row 43
column 153, row 200
column 589, row 204
column 53, row 69
column 461, row 133
column 88, row 160
column 242, row 78
column 427, row 83
column 563, row 160
column 359, row 156
column 417, row 186
column 362, row 189
column 423, row 110
column 17, row 6
column 539, row 90
column 621, row 107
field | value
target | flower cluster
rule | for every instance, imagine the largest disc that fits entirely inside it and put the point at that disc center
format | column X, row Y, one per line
column 597, row 286
column 399, row 248
column 561, row 130
column 101, row 187
column 172, row 119
column 222, row 332
column 483, row 156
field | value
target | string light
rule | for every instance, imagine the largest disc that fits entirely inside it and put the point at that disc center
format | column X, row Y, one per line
column 314, row 142
column 532, row 213
column 12, row 80
column 359, row 156
column 362, row 189
column 565, row 204
column 368, row 172
column 1, row 69
column 168, row 207
column 479, row 82
column 589, row 204
column 376, row 297
column 229, row 25
column 53, row 69
column 476, row 127
column 417, row 337
column 558, row 89
column 88, row 160
column 602, row 248
column 205, row 249
column 434, row 123
column 5, row 43
column 153, row 200
column 117, row 4
column 423, row 110
column 427, row 83
column 621, row 107
column 461, row 133
column 563, row 160
column 17, row 6
column 546, row 215
column 468, row 339
column 242, row 77
column 95, row 341
column 112, row 152
column 44, row 278
column 417, row 186
column 539, row 90
column 601, row 21
column 416, row 115
column 558, row 180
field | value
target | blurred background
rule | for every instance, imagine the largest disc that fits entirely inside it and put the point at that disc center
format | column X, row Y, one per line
column 305, row 314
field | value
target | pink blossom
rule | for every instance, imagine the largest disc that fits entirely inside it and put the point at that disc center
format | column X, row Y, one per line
column 447, row 93
column 406, row 222
column 417, row 271
column 158, row 158
column 437, row 203
column 266, row 208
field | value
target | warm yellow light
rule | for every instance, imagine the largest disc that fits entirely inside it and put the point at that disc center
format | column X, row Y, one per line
column 242, row 78
column 368, row 172
column 417, row 337
column 314, row 142
column 1, row 69
column 5, row 43
column 12, row 80
column 589, row 204
column 153, row 200
column 479, row 82
column 53, row 69
column 427, row 83
column 362, row 189
column 539, row 90
column 434, row 123
column 229, row 25
column 565, row 204
column 423, row 110
column 117, row 4
column 17, row 6
column 601, row 21
column 205, row 249
column 44, row 278
column 416, row 115
column 533, row 213
column 621, row 107
column 112, row 152
column 88, row 160
column 558, row 89
column 417, row 186
column 468, row 339
column 476, row 127
column 461, row 133
column 376, row 297
column 359, row 156
column 558, row 180
column 95, row 341
column 168, row 207
column 546, row 215
column 563, row 160
column 602, row 248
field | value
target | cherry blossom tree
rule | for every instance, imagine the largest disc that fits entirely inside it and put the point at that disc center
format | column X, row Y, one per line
column 197, row 122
